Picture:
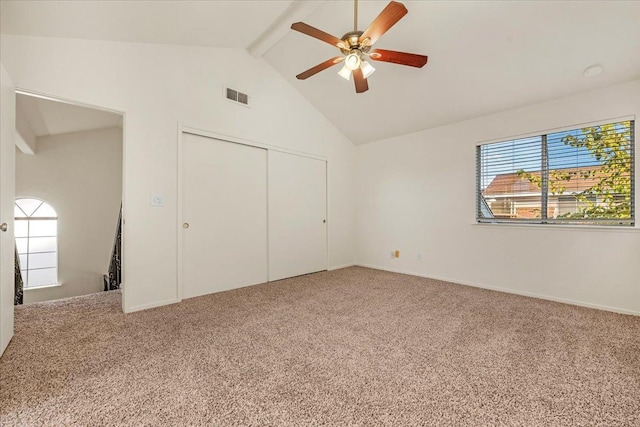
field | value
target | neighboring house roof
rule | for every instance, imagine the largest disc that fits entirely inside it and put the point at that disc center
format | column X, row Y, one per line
column 512, row 184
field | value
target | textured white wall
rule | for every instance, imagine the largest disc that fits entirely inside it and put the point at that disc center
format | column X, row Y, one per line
column 80, row 175
column 158, row 86
column 416, row 193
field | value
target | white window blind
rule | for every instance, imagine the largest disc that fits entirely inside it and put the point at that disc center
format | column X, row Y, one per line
column 579, row 176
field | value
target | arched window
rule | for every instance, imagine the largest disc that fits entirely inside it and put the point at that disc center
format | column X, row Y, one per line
column 36, row 232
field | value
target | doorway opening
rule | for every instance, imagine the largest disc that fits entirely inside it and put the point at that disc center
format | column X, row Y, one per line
column 68, row 199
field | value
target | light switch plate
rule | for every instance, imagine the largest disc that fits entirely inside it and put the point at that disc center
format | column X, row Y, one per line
column 157, row 200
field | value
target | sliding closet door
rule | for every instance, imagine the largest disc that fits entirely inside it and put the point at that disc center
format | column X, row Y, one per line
column 297, row 215
column 224, row 214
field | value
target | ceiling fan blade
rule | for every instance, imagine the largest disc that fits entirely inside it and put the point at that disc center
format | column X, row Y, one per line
column 402, row 58
column 360, row 81
column 387, row 19
column 316, row 33
column 323, row 66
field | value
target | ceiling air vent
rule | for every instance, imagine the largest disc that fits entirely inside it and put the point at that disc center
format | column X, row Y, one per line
column 236, row 96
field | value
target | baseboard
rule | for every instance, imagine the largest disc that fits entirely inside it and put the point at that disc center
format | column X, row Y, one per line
column 151, row 305
column 338, row 267
column 506, row 290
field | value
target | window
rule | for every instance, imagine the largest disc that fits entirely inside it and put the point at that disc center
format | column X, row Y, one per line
column 579, row 176
column 36, row 231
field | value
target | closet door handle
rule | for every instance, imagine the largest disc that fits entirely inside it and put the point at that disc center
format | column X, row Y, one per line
column 3, row 227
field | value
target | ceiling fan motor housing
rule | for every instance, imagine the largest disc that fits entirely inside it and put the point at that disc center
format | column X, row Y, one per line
column 352, row 41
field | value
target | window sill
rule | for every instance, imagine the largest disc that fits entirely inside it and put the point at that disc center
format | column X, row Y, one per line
column 35, row 288
column 598, row 228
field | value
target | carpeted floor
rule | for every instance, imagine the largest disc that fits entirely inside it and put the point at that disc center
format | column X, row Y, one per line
column 350, row 347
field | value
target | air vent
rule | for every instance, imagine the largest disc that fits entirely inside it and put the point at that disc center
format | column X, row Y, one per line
column 236, row 96
column 232, row 94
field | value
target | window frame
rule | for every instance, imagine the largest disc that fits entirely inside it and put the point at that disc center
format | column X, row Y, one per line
column 28, row 219
column 480, row 201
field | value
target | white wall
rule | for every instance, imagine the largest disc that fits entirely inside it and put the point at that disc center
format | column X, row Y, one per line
column 158, row 86
column 80, row 175
column 416, row 193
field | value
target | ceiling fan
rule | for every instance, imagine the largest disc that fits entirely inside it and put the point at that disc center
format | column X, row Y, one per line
column 356, row 47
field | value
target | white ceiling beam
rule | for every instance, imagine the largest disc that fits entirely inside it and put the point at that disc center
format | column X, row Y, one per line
column 22, row 144
column 297, row 11
column 25, row 138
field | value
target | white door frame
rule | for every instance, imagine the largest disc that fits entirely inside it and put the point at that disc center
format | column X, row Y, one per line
column 77, row 103
column 182, row 129
column 7, row 180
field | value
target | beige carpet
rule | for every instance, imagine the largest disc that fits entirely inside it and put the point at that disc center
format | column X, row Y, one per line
column 349, row 347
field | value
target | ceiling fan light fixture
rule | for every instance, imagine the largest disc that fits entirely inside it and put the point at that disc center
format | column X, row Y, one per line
column 367, row 69
column 353, row 61
column 345, row 72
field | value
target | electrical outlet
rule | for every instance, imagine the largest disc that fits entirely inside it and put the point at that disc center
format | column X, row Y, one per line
column 397, row 254
column 420, row 257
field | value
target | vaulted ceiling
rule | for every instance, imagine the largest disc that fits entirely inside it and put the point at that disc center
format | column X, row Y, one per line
column 484, row 56
column 233, row 24
column 46, row 117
